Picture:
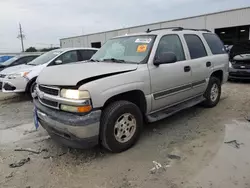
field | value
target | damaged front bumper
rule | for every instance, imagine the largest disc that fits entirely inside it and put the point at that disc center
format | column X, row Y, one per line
column 243, row 74
column 73, row 130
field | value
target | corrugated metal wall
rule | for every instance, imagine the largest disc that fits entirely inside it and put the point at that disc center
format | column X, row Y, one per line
column 211, row 21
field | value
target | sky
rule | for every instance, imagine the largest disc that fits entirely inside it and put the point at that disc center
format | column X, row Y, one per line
column 44, row 22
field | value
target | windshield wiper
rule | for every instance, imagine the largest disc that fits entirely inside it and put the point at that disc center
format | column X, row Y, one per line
column 94, row 60
column 115, row 60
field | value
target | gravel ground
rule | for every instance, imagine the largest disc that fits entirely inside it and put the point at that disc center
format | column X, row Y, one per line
column 185, row 150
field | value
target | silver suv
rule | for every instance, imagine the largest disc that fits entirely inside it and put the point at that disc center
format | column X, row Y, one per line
column 131, row 79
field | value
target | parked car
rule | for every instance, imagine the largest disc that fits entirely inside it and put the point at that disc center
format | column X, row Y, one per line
column 22, row 78
column 4, row 58
column 18, row 60
column 131, row 79
column 239, row 65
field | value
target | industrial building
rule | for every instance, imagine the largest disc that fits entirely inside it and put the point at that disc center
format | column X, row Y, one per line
column 231, row 26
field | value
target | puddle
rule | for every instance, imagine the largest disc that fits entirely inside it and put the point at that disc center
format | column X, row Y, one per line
column 232, row 161
column 15, row 134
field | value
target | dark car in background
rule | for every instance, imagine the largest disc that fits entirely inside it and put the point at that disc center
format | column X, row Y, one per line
column 239, row 61
column 18, row 60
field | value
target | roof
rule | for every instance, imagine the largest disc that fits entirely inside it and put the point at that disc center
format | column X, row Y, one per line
column 224, row 11
column 75, row 48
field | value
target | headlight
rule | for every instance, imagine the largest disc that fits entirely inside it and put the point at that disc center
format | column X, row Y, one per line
column 230, row 65
column 75, row 94
column 16, row 75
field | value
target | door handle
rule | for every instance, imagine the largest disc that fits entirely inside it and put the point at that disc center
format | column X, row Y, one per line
column 187, row 68
column 208, row 64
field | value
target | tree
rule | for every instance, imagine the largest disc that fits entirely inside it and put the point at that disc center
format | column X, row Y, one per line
column 31, row 49
column 48, row 49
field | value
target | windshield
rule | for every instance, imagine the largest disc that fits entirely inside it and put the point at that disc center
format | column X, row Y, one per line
column 45, row 58
column 9, row 61
column 129, row 49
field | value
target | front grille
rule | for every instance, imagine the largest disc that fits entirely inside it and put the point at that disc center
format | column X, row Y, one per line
column 2, row 75
column 241, row 65
column 9, row 87
column 49, row 103
column 49, row 90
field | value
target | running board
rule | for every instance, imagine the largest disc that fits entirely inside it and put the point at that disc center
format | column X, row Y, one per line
column 156, row 116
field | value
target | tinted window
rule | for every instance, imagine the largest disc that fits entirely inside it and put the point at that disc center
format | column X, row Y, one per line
column 86, row 54
column 171, row 43
column 24, row 60
column 68, row 57
column 20, row 61
column 195, row 46
column 214, row 43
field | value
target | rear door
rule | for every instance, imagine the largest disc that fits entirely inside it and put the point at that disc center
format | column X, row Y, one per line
column 200, row 63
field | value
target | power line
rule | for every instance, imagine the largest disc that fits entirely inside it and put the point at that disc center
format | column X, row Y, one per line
column 21, row 36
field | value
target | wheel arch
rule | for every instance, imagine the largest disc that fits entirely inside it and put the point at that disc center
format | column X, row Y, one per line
column 135, row 96
column 30, row 83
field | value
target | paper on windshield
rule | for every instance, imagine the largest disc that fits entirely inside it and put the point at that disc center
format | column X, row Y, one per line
column 143, row 40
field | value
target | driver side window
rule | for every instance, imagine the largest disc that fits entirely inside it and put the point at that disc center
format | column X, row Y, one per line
column 171, row 43
column 68, row 57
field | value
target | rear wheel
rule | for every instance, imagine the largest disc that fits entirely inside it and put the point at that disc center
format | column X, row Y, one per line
column 212, row 93
column 121, row 124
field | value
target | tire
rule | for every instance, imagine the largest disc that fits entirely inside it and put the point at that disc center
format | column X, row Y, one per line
column 32, row 87
column 112, row 117
column 212, row 99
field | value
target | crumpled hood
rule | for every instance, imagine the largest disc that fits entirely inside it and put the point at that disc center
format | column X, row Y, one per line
column 72, row 74
column 240, row 48
column 16, row 69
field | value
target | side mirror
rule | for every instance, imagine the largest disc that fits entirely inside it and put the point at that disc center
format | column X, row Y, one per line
column 58, row 62
column 165, row 58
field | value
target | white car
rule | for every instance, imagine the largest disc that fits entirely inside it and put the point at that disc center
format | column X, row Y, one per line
column 22, row 78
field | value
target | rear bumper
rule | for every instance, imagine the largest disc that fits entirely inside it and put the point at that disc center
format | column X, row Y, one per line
column 76, row 131
column 243, row 74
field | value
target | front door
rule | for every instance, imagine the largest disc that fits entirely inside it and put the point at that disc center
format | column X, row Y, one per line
column 170, row 83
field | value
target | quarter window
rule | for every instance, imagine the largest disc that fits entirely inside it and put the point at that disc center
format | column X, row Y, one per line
column 171, row 43
column 214, row 43
column 195, row 46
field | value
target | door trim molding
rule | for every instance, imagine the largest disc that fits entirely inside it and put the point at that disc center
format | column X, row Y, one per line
column 179, row 89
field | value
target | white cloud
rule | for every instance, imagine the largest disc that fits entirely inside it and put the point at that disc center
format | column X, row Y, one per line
column 46, row 21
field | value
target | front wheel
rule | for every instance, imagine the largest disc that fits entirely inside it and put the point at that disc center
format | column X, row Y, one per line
column 121, row 125
column 213, row 92
column 32, row 88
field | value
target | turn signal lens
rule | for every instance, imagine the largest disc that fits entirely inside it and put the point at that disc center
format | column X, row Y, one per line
column 80, row 109
column 83, row 109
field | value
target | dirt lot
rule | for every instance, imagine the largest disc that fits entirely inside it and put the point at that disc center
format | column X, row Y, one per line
column 185, row 150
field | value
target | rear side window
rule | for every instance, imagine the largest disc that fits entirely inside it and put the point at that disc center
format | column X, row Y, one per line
column 86, row 54
column 195, row 46
column 214, row 43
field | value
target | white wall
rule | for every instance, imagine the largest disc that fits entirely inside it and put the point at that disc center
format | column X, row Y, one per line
column 211, row 21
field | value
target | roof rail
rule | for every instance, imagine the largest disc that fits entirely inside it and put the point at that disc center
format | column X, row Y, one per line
column 177, row 29
column 181, row 29
column 149, row 30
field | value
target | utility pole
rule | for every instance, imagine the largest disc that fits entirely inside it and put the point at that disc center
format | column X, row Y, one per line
column 21, row 36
